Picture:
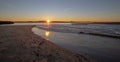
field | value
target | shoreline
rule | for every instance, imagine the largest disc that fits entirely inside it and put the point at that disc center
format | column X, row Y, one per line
column 20, row 44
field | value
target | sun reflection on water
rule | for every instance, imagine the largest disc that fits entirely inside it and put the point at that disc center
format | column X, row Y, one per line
column 47, row 34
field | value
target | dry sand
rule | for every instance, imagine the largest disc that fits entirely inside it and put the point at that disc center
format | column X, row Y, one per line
column 20, row 44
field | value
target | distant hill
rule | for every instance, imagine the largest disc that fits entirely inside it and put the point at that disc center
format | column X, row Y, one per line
column 41, row 21
column 6, row 22
column 74, row 22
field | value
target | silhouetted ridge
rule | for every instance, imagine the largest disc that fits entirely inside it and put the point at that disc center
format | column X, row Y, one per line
column 6, row 22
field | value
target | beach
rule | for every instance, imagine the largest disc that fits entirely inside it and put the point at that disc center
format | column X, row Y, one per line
column 19, row 44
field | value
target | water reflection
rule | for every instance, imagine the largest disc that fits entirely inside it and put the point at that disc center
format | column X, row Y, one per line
column 47, row 34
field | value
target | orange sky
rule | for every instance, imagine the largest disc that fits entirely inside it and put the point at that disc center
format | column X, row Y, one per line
column 60, row 10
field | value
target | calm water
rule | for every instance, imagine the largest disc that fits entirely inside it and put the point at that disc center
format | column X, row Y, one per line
column 103, row 49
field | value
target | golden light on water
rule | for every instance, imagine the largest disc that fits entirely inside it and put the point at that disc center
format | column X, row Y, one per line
column 47, row 34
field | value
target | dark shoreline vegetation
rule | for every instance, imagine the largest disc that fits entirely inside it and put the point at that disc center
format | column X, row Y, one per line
column 79, row 23
column 6, row 22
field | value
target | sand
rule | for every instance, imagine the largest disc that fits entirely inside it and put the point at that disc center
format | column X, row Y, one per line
column 20, row 44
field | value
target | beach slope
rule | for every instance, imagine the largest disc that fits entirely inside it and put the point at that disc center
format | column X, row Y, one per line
column 20, row 44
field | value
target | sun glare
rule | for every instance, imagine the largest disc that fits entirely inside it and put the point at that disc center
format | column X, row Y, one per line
column 48, row 22
column 47, row 33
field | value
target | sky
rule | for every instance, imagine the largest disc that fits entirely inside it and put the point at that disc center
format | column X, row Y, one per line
column 60, row 10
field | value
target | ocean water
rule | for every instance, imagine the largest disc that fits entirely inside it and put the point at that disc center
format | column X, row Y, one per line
column 100, row 29
column 100, row 48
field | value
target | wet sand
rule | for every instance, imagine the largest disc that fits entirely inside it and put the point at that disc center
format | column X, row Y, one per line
column 20, row 44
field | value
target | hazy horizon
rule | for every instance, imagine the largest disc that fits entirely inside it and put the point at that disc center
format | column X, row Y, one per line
column 62, row 10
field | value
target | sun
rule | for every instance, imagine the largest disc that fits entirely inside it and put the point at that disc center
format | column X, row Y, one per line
column 48, row 22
